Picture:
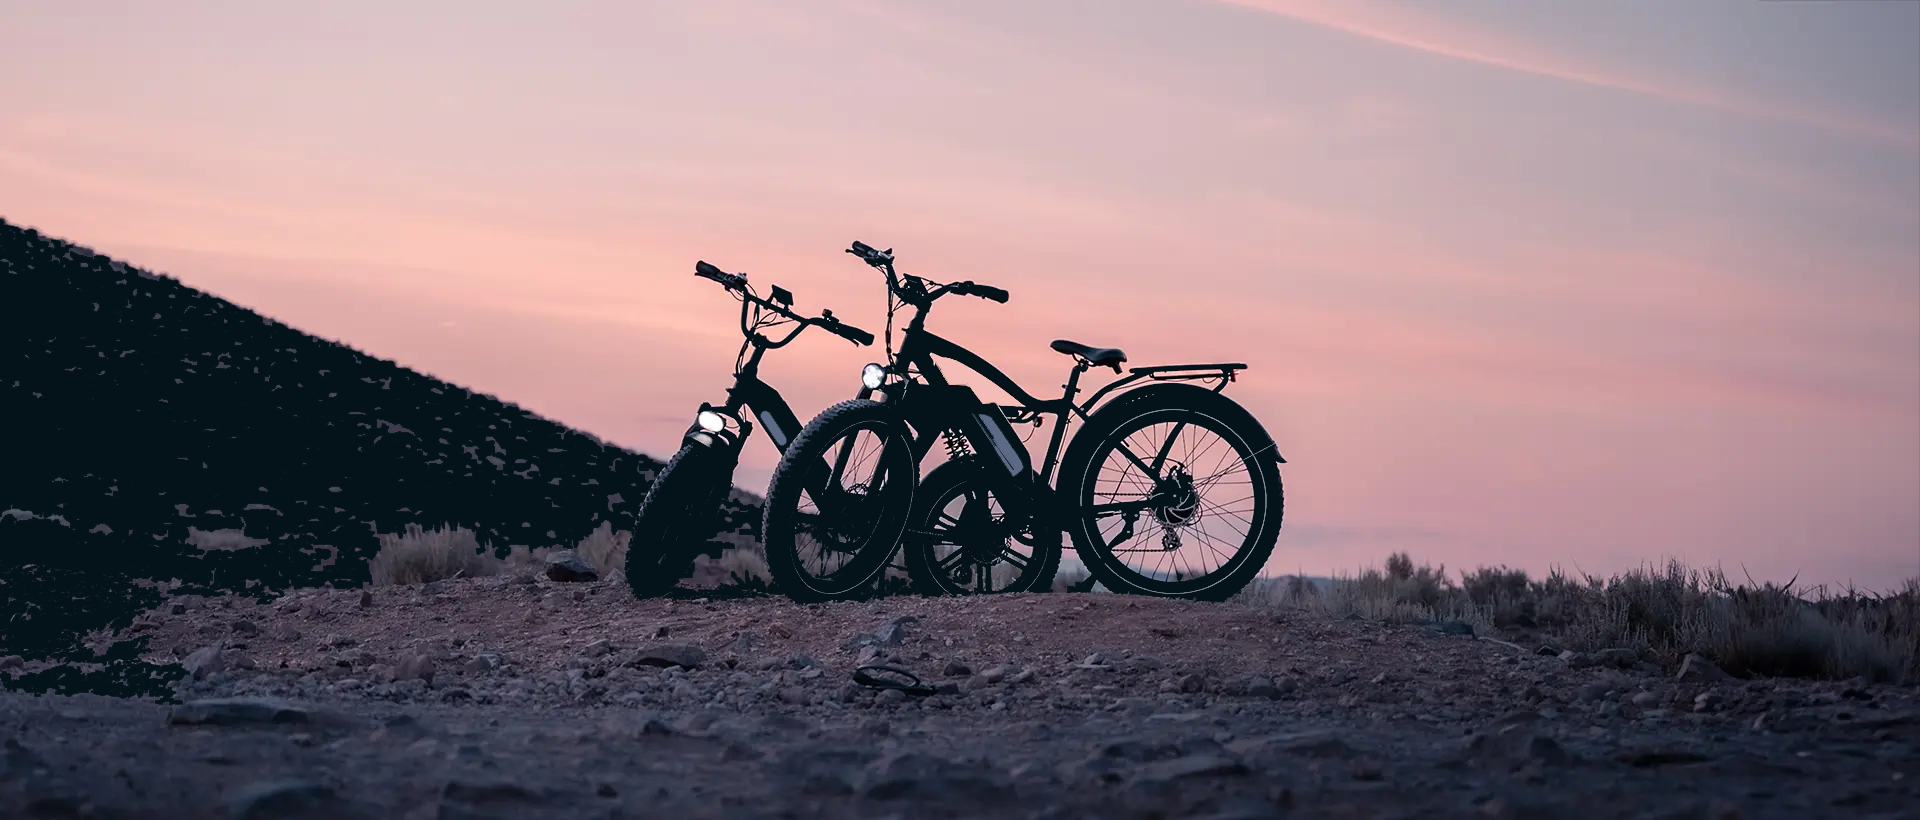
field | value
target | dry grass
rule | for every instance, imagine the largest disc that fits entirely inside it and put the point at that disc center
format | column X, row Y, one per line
column 606, row 550
column 1670, row 611
column 418, row 556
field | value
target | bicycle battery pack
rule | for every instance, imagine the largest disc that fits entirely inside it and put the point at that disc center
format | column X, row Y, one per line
column 983, row 425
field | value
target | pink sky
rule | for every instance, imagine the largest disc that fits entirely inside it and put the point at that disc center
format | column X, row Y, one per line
column 1587, row 286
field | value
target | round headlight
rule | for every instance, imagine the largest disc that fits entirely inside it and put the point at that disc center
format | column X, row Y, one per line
column 710, row 421
column 872, row 376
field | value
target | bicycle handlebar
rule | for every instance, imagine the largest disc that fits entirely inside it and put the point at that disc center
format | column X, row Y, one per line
column 914, row 289
column 738, row 282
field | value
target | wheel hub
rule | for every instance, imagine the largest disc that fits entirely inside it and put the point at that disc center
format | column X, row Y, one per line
column 1177, row 503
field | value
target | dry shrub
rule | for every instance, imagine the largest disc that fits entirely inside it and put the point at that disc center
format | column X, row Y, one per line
column 1670, row 610
column 606, row 550
column 742, row 565
column 1069, row 575
column 418, row 556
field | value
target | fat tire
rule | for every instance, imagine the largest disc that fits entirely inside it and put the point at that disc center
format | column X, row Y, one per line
column 919, row 556
column 1172, row 400
column 857, row 578
column 668, row 530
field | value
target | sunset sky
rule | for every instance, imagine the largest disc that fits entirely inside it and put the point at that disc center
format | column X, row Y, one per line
column 1581, row 284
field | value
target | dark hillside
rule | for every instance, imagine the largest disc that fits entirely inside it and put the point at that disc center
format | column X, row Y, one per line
column 157, row 433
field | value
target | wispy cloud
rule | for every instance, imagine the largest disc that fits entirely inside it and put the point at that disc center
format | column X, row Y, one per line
column 1400, row 26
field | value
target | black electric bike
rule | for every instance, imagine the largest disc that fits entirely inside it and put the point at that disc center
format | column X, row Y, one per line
column 1169, row 488
column 679, row 517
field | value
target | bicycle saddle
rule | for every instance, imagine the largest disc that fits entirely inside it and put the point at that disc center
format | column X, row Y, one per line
column 1097, row 356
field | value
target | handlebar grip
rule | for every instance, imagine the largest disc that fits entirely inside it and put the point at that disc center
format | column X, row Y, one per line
column 860, row 249
column 851, row 334
column 990, row 292
column 707, row 271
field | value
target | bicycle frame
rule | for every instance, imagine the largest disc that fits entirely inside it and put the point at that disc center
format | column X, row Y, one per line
column 748, row 391
column 920, row 347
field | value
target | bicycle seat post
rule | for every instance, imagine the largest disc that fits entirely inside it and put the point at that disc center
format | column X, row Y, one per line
column 1073, row 379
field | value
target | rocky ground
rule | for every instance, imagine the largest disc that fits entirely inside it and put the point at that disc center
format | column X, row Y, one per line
column 523, row 697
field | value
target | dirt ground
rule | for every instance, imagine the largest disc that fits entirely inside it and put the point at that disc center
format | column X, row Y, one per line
column 522, row 697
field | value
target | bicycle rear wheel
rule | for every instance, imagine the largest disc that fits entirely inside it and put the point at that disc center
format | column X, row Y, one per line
column 838, row 502
column 1177, row 493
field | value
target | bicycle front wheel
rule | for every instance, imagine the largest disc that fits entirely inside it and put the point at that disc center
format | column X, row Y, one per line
column 838, row 502
column 678, row 516
column 1177, row 494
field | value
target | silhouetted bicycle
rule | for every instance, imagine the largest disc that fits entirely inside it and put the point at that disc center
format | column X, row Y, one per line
column 1169, row 488
column 679, row 517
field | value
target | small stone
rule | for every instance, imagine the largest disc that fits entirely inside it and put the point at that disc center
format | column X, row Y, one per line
column 283, row 799
column 780, row 631
column 204, row 661
column 1646, row 699
column 245, row 628
column 1697, row 668
column 606, row 790
column 682, row 655
column 994, row 675
column 414, row 667
column 660, row 633
column 1193, row 684
column 597, row 648
column 890, row 697
column 567, row 567
column 893, row 632
column 1194, row 766
column 483, row 663
column 1708, row 702
column 12, row 662
column 366, row 598
column 1619, row 657
column 235, row 712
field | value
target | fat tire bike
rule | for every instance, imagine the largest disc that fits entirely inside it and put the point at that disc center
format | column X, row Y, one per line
column 680, row 515
column 1169, row 488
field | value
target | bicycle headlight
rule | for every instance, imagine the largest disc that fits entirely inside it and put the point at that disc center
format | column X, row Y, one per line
column 872, row 376
column 710, row 421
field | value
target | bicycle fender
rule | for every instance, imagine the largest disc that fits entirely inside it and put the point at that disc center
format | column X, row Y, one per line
column 1264, row 448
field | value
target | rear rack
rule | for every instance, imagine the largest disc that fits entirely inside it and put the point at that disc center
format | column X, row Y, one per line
column 1166, row 372
column 1223, row 371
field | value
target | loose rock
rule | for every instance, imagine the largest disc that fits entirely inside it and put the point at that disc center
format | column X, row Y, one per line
column 567, row 567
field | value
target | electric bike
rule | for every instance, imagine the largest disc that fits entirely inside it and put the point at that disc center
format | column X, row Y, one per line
column 680, row 515
column 1168, row 488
